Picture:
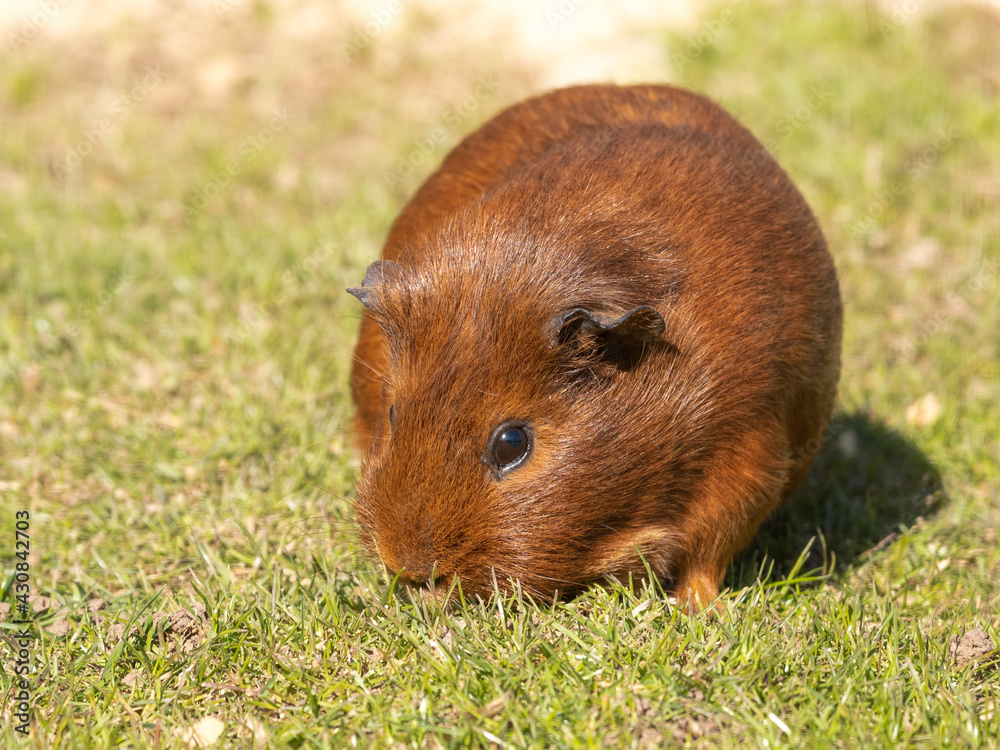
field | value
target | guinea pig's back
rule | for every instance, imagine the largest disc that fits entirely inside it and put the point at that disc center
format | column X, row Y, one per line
column 525, row 131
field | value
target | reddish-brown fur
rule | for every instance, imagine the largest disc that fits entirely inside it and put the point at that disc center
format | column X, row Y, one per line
column 678, row 447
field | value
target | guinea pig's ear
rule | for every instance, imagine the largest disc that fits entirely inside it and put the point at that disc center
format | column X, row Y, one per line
column 620, row 343
column 375, row 277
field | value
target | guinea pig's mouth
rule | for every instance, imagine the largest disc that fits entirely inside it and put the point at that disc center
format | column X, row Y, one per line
column 448, row 590
column 430, row 583
column 438, row 589
column 443, row 595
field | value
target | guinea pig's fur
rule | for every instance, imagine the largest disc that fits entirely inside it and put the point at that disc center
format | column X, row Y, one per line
column 626, row 276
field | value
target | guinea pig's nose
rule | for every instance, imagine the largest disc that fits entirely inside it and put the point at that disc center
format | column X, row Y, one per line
column 421, row 576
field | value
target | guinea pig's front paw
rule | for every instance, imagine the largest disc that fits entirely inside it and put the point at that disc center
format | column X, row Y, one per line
column 698, row 589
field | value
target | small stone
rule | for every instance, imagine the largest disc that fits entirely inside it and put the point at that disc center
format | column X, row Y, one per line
column 204, row 733
column 132, row 678
column 925, row 411
column 650, row 738
column 115, row 634
column 494, row 707
column 970, row 647
column 60, row 628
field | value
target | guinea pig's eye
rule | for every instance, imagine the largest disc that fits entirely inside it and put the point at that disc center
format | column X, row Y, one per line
column 392, row 417
column 509, row 446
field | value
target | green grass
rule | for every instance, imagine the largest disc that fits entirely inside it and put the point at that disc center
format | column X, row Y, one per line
column 174, row 410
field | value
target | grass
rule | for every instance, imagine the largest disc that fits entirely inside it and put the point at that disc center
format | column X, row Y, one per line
column 174, row 347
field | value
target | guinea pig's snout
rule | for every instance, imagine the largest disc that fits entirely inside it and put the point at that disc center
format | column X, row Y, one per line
column 422, row 579
column 422, row 576
column 416, row 567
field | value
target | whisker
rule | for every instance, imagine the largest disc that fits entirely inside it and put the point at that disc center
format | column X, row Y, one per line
column 331, row 520
column 321, row 441
column 322, row 489
column 370, row 366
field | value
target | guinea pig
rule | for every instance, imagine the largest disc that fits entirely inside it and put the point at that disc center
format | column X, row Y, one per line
column 603, row 339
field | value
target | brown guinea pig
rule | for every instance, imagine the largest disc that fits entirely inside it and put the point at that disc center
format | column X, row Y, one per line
column 605, row 334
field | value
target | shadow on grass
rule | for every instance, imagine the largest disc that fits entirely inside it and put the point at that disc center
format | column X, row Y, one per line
column 867, row 485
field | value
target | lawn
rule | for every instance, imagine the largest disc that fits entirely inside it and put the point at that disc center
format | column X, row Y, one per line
column 185, row 197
